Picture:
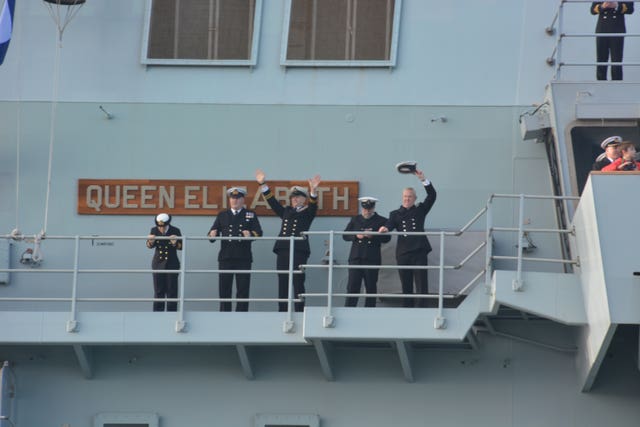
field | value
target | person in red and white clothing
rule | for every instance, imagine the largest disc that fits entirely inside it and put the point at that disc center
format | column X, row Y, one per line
column 627, row 160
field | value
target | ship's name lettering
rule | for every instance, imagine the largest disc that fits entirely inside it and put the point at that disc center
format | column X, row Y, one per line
column 100, row 197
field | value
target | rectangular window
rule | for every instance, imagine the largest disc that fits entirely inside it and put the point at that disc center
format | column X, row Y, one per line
column 341, row 33
column 286, row 420
column 202, row 32
column 117, row 419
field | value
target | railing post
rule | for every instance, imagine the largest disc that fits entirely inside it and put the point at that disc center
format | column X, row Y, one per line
column 181, row 325
column 72, row 324
column 559, row 41
column 489, row 251
column 329, row 321
column 440, row 322
column 288, row 324
column 517, row 282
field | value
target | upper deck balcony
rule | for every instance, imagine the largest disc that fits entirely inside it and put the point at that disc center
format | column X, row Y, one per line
column 73, row 298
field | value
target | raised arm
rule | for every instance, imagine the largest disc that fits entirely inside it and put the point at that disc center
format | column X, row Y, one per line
column 266, row 192
column 313, row 195
column 428, row 202
column 260, row 176
column 313, row 185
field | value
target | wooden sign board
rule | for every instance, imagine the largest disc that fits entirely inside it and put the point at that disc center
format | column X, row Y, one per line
column 191, row 197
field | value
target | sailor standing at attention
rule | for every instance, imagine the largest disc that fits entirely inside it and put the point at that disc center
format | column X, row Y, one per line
column 165, row 285
column 365, row 250
column 412, row 249
column 610, row 20
column 236, row 221
column 296, row 219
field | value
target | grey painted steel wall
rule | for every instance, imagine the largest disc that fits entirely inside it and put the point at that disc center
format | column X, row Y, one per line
column 445, row 50
column 477, row 152
column 503, row 384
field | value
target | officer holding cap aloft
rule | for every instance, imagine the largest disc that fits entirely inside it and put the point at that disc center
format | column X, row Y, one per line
column 165, row 257
column 237, row 221
column 412, row 249
column 296, row 219
column 365, row 250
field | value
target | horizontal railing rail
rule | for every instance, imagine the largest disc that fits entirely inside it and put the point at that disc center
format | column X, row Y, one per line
column 329, row 267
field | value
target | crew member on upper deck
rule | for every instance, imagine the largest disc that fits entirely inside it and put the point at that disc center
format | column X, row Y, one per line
column 236, row 221
column 611, row 147
column 296, row 219
column 165, row 257
column 412, row 250
column 610, row 20
column 365, row 250
column 627, row 160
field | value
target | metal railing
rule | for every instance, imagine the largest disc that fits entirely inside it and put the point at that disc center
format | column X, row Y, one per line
column 521, row 230
column 556, row 28
column 439, row 322
column 180, row 300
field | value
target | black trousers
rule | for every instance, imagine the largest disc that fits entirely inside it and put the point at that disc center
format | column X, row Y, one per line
column 605, row 47
column 356, row 276
column 225, row 284
column 407, row 277
column 282, row 263
column 165, row 285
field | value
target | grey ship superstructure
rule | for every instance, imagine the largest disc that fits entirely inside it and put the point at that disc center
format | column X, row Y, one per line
column 534, row 279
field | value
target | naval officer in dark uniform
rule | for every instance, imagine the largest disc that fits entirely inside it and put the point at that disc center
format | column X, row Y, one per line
column 237, row 221
column 296, row 219
column 365, row 250
column 165, row 257
column 611, row 147
column 412, row 250
column 610, row 20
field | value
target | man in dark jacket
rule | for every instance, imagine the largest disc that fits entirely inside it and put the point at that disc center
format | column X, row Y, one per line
column 365, row 250
column 165, row 257
column 296, row 219
column 412, row 249
column 610, row 20
column 236, row 221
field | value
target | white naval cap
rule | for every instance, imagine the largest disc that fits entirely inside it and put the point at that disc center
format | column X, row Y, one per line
column 236, row 192
column 296, row 190
column 601, row 157
column 612, row 140
column 163, row 219
column 407, row 167
column 367, row 202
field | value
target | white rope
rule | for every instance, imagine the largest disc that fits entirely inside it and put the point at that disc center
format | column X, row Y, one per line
column 72, row 11
column 54, row 104
column 18, row 128
column 18, row 144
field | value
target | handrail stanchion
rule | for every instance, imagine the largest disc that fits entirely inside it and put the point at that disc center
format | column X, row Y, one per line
column 72, row 324
column 517, row 282
column 559, row 41
column 328, row 321
column 181, row 325
column 440, row 322
column 489, row 251
column 288, row 324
